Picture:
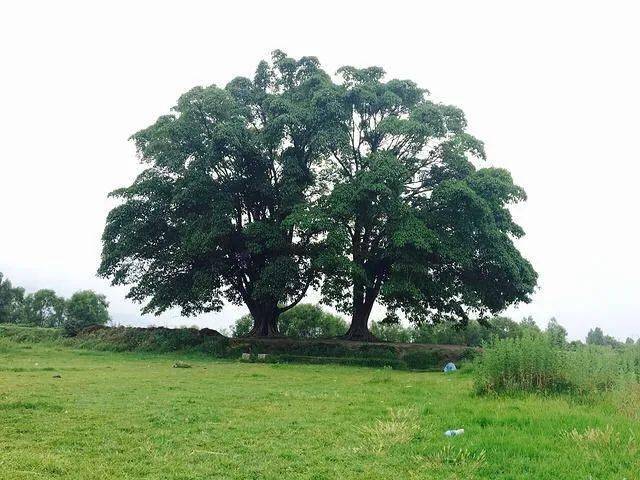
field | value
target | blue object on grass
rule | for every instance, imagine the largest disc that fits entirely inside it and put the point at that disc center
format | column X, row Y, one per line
column 449, row 367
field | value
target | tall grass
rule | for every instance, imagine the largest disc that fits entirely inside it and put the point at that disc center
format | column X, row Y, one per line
column 529, row 364
column 591, row 369
column 534, row 364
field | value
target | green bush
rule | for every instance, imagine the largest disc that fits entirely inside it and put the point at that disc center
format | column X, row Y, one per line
column 242, row 326
column 311, row 321
column 391, row 332
column 527, row 364
column 320, row 348
column 209, row 342
column 353, row 361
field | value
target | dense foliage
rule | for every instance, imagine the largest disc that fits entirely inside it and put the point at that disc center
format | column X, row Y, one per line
column 259, row 190
column 210, row 218
column 44, row 308
column 213, row 344
column 411, row 222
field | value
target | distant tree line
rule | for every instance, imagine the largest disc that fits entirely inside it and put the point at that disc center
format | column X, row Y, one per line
column 477, row 333
column 311, row 321
column 44, row 308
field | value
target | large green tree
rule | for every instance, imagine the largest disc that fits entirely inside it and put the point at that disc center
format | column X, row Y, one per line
column 411, row 222
column 210, row 218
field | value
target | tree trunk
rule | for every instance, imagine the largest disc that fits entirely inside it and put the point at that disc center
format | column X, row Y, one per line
column 359, row 330
column 265, row 322
column 362, row 305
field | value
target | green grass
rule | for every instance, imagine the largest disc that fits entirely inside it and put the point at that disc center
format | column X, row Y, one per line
column 133, row 416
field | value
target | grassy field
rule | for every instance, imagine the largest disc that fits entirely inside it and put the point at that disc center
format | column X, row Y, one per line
column 133, row 416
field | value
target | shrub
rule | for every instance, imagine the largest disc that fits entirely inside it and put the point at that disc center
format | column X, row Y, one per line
column 311, row 321
column 630, row 362
column 391, row 332
column 153, row 339
column 352, row 361
column 527, row 364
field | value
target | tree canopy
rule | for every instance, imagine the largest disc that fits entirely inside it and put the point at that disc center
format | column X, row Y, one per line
column 411, row 222
column 45, row 308
column 255, row 192
column 209, row 219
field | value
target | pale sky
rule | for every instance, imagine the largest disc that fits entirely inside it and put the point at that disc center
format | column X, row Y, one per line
column 552, row 88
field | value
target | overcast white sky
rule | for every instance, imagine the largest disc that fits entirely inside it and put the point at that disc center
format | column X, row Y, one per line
column 553, row 88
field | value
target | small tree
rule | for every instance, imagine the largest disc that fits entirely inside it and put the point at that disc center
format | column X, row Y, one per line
column 242, row 326
column 556, row 333
column 44, row 308
column 528, row 326
column 596, row 337
column 85, row 308
column 11, row 301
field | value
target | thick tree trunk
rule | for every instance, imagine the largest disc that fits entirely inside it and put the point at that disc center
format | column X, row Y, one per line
column 362, row 305
column 265, row 322
column 359, row 330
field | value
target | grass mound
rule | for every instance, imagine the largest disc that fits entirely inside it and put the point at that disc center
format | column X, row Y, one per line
column 277, row 350
column 23, row 334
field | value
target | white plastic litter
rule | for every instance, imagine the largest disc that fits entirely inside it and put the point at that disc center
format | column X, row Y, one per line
column 453, row 433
